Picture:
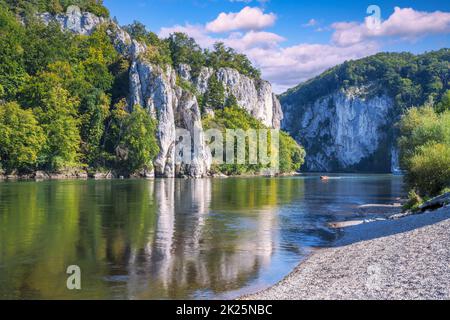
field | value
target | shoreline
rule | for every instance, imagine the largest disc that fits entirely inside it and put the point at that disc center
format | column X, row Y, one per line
column 82, row 175
column 397, row 258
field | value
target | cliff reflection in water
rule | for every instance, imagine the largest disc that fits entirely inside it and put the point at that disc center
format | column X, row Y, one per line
column 135, row 239
column 197, row 250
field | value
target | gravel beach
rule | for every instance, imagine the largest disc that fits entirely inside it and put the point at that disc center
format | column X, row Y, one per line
column 407, row 258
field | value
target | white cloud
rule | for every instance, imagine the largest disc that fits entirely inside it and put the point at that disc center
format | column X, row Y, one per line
column 286, row 67
column 247, row 19
column 197, row 32
column 311, row 23
column 253, row 39
column 405, row 23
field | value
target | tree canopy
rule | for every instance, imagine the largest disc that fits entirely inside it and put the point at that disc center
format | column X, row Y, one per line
column 26, row 7
column 425, row 149
column 57, row 96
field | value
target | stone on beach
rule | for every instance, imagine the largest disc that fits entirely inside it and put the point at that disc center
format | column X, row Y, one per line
column 408, row 258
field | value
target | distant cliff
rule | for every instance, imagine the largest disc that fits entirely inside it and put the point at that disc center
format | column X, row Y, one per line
column 345, row 118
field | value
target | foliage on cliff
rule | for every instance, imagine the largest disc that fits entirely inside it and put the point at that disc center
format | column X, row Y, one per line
column 63, row 96
column 291, row 155
column 179, row 49
column 29, row 7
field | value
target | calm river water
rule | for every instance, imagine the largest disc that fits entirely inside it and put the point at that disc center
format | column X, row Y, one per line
column 170, row 239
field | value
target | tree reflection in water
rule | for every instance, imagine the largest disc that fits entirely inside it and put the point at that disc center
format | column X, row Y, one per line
column 159, row 239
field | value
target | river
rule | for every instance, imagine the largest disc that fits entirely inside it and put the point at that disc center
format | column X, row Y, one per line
column 171, row 238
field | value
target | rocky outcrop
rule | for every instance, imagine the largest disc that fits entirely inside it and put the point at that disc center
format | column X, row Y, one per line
column 255, row 96
column 74, row 20
column 155, row 88
column 176, row 110
column 344, row 131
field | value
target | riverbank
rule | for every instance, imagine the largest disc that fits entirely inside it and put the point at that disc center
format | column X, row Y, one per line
column 406, row 258
column 84, row 175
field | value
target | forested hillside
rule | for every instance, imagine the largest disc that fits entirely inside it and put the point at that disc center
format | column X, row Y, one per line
column 64, row 97
column 357, row 104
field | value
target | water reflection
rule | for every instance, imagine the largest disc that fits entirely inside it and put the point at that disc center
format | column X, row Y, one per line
column 168, row 238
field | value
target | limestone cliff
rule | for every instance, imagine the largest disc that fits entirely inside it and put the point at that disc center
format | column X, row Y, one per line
column 255, row 96
column 155, row 88
column 348, row 130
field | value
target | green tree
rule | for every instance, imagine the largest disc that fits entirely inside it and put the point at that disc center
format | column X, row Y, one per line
column 45, row 45
column 429, row 172
column 21, row 138
column 291, row 155
column 56, row 111
column 444, row 105
column 115, row 126
column 139, row 140
column 425, row 150
column 420, row 126
column 184, row 50
column 12, row 71
column 225, row 57
column 215, row 95
column 120, row 71
column 231, row 101
column 93, row 114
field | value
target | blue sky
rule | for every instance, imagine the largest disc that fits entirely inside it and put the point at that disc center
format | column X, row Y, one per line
column 292, row 41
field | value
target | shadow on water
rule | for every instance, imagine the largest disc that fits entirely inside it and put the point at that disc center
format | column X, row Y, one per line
column 169, row 239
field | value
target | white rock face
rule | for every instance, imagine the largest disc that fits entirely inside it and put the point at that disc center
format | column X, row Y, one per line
column 74, row 20
column 155, row 89
column 341, row 130
column 254, row 96
column 202, row 80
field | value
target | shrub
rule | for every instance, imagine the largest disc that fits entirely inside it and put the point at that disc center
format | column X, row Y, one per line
column 21, row 138
column 138, row 140
column 425, row 149
column 291, row 155
column 414, row 201
column 420, row 126
column 430, row 169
